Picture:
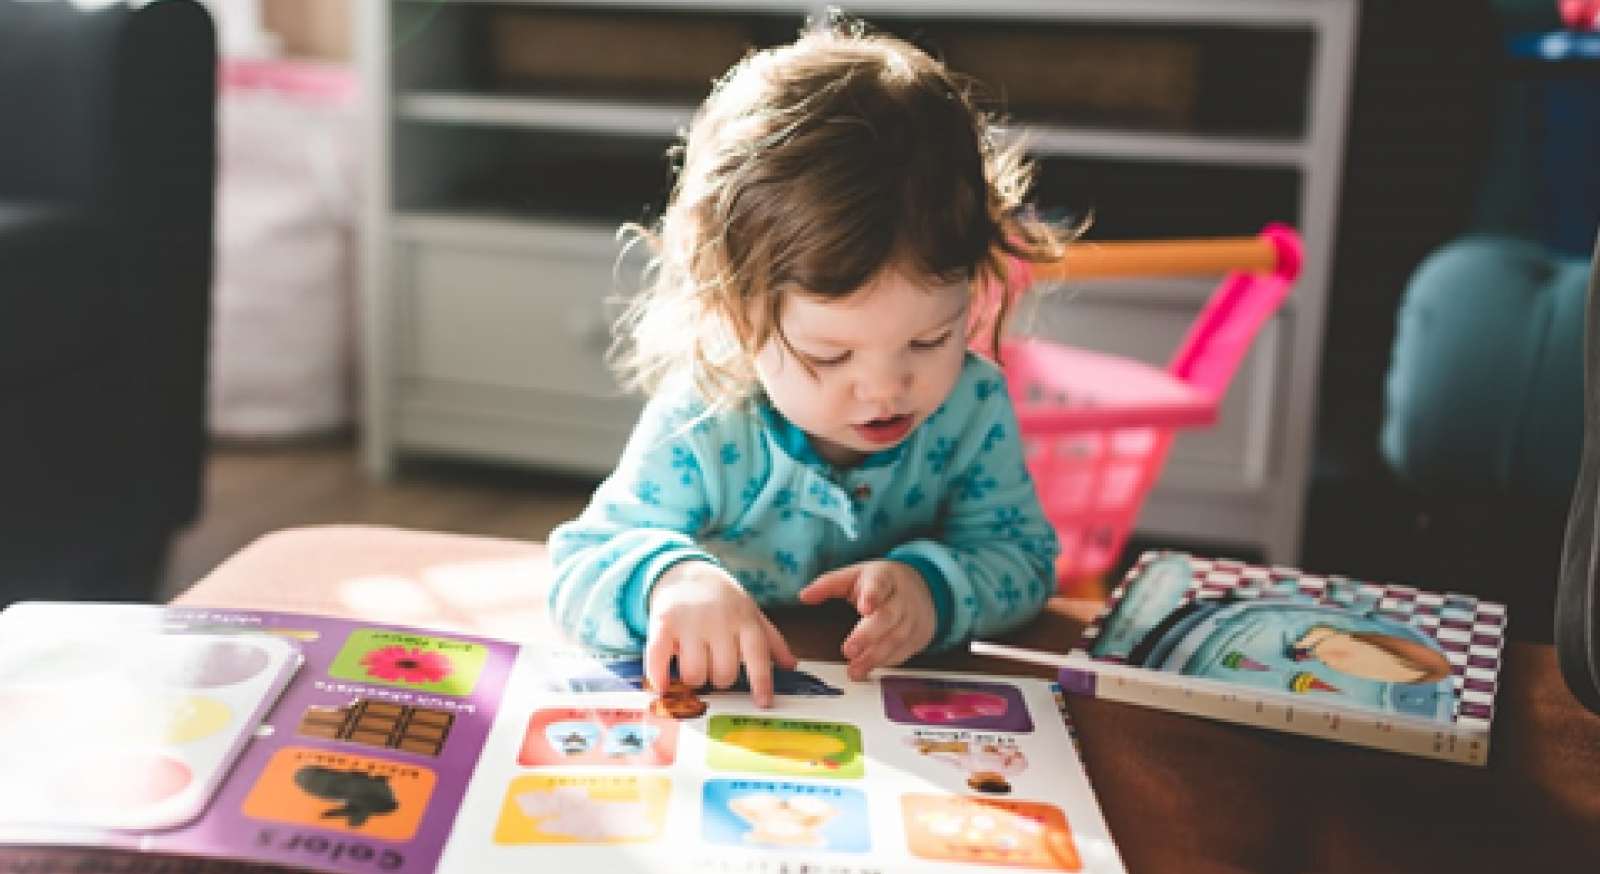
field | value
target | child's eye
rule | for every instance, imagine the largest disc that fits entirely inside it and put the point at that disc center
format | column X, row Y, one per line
column 835, row 361
column 935, row 342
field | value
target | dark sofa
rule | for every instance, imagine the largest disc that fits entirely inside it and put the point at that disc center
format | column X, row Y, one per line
column 107, row 173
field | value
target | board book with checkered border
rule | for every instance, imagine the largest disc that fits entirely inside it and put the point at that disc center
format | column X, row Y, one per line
column 1382, row 665
column 144, row 738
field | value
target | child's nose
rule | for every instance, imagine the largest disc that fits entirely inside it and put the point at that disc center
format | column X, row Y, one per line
column 885, row 381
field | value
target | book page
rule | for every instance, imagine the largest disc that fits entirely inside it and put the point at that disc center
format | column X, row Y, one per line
column 345, row 746
column 358, row 764
column 910, row 771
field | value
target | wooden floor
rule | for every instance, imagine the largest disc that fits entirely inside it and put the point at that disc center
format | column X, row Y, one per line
column 253, row 490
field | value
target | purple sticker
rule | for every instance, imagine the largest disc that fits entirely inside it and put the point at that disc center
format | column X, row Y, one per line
column 1076, row 682
column 955, row 703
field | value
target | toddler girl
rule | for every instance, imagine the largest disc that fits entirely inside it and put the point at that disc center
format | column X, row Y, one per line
column 816, row 428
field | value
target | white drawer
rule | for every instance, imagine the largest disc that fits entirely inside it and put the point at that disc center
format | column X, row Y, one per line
column 533, row 312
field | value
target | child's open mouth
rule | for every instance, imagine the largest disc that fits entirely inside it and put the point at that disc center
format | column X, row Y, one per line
column 885, row 431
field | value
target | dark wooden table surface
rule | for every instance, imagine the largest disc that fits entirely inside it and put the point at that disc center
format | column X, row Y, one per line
column 1181, row 794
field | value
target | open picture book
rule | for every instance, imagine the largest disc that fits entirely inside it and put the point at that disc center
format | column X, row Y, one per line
column 338, row 745
column 1386, row 666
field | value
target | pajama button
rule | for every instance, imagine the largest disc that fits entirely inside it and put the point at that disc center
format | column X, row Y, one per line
column 862, row 492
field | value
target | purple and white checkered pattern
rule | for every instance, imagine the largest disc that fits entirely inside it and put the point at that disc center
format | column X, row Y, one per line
column 1471, row 631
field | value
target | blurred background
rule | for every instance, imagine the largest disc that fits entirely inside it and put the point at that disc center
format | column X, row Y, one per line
column 410, row 263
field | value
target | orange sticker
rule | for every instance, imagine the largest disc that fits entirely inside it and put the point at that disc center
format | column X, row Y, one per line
column 374, row 797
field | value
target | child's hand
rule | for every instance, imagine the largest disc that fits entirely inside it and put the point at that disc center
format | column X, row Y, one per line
column 701, row 615
column 898, row 619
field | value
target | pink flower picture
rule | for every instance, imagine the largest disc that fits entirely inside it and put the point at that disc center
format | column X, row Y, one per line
column 407, row 664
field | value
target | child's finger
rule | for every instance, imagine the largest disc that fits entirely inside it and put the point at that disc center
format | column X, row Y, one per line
column 868, row 631
column 757, row 665
column 874, row 589
column 725, row 658
column 874, row 623
column 692, row 663
column 838, row 583
column 658, row 651
column 861, row 667
column 887, row 651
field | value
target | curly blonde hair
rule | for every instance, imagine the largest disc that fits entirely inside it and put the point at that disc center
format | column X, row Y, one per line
column 812, row 167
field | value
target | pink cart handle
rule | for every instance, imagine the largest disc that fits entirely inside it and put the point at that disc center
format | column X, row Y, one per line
column 1221, row 335
column 1263, row 270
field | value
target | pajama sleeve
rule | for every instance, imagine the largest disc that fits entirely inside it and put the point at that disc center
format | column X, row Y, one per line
column 641, row 520
column 991, row 560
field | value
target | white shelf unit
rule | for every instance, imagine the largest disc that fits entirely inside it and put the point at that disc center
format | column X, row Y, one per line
column 491, row 251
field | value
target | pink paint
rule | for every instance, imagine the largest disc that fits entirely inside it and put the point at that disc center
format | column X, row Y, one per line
column 123, row 781
column 958, row 706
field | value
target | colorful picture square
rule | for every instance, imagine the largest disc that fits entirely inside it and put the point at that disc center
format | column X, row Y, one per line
column 582, row 809
column 989, row 831
column 384, row 724
column 598, row 736
column 409, row 661
column 785, row 747
column 955, row 703
column 375, row 797
column 778, row 815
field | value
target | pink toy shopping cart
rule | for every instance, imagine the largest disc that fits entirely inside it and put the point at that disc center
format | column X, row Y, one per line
column 1096, row 428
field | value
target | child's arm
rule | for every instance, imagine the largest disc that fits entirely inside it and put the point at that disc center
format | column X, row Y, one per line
column 641, row 521
column 630, row 575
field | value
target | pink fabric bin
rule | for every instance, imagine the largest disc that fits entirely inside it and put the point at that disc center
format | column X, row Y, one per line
column 284, row 330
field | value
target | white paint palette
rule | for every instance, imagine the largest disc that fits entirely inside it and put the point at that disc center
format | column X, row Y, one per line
column 107, row 720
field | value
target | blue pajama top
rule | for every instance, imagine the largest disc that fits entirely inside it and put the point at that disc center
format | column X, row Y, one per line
column 743, row 488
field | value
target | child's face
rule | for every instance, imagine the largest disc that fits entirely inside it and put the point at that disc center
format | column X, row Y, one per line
column 885, row 358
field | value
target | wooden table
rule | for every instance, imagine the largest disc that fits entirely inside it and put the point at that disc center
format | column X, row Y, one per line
column 1181, row 794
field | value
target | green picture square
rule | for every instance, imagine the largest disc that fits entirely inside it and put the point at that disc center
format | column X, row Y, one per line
column 409, row 661
column 788, row 747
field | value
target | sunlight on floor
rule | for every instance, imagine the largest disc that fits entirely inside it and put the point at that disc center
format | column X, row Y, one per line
column 503, row 599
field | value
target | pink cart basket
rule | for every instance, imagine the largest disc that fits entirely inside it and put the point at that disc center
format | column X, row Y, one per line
column 1096, row 428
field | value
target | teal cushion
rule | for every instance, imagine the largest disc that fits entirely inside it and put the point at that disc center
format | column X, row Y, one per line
column 1484, row 392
